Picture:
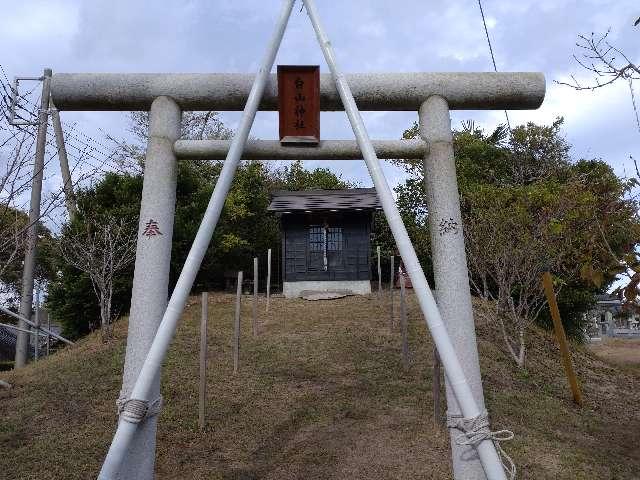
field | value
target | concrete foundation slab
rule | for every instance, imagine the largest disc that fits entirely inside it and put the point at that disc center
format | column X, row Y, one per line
column 295, row 289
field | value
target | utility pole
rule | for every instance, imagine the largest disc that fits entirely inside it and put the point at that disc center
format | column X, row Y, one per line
column 26, row 300
column 67, row 185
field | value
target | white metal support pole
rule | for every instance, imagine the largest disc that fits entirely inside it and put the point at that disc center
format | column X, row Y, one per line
column 450, row 269
column 124, row 437
column 151, row 275
column 486, row 448
column 67, row 184
column 26, row 301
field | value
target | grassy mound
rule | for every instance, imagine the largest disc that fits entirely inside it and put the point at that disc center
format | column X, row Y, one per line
column 321, row 393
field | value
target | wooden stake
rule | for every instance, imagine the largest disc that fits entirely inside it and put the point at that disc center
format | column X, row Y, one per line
column 268, row 277
column 48, row 330
column 36, row 351
column 255, row 297
column 403, row 323
column 437, row 375
column 379, row 274
column 391, row 292
column 561, row 337
column 203, row 360
column 236, row 329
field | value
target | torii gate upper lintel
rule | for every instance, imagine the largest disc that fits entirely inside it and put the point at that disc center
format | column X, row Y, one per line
column 229, row 91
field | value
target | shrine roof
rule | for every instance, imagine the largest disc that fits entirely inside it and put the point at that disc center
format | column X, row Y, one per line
column 357, row 199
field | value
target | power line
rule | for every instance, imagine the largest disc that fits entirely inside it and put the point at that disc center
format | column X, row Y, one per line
column 633, row 102
column 71, row 139
column 493, row 58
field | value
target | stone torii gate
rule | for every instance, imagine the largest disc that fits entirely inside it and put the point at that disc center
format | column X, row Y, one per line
column 165, row 96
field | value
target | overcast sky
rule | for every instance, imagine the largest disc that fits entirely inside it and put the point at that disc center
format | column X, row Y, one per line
column 368, row 36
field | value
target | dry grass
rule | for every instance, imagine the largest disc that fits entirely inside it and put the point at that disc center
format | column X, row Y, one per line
column 623, row 352
column 320, row 394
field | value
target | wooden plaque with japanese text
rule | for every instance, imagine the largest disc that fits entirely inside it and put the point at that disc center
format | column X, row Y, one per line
column 299, row 104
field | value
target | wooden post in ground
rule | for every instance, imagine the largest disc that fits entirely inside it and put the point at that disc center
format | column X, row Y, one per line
column 562, row 338
column 403, row 323
column 36, row 345
column 268, row 277
column 236, row 326
column 392, row 277
column 48, row 330
column 255, row 297
column 437, row 375
column 379, row 274
column 203, row 360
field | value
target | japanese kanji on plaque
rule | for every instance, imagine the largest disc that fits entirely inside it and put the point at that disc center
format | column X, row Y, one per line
column 299, row 104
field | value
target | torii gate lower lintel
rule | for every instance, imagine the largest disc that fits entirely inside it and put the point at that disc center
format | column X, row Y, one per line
column 433, row 94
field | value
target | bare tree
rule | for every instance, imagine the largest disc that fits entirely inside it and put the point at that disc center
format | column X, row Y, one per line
column 129, row 155
column 15, row 181
column 105, row 249
column 605, row 61
column 16, row 177
column 506, row 260
column 607, row 64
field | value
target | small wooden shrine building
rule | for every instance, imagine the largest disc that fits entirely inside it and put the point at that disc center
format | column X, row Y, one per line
column 326, row 239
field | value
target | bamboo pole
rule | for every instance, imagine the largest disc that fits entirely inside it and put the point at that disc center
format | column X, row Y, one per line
column 561, row 337
column 236, row 327
column 403, row 323
column 203, row 360
column 255, row 297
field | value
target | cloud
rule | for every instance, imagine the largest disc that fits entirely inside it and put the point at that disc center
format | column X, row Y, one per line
column 368, row 35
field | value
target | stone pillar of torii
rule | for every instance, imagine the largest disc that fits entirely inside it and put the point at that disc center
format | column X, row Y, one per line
column 165, row 96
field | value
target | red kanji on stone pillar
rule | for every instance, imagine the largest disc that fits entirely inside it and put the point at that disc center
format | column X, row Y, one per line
column 151, row 229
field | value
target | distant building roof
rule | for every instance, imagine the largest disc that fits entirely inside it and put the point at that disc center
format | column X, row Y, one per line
column 314, row 200
column 607, row 298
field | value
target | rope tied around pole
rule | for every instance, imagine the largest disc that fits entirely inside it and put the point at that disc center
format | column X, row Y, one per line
column 476, row 430
column 135, row 411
